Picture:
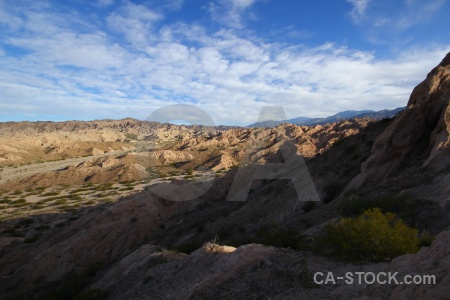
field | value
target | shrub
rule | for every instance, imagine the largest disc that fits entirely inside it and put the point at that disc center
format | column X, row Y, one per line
column 370, row 236
column 19, row 201
column 128, row 188
column 60, row 202
column 55, row 193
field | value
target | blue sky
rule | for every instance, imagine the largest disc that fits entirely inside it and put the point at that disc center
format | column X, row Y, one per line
column 84, row 60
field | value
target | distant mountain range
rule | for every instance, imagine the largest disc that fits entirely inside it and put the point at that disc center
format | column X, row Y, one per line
column 344, row 115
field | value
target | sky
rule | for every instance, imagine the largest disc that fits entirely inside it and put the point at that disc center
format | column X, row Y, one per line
column 112, row 59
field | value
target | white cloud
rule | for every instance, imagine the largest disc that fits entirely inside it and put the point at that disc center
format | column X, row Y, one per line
column 76, row 75
column 242, row 4
column 230, row 12
column 105, row 2
column 135, row 22
column 359, row 9
column 387, row 21
column 417, row 12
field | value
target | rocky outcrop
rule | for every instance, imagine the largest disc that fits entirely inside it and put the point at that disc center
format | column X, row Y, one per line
column 153, row 274
column 434, row 260
column 419, row 135
column 103, row 234
column 166, row 157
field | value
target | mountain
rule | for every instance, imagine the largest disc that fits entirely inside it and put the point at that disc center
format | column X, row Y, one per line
column 418, row 137
column 146, row 247
column 344, row 115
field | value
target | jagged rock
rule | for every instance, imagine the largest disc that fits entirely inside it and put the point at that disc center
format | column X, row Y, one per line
column 419, row 133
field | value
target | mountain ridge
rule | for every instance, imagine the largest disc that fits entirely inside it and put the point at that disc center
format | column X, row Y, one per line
column 340, row 116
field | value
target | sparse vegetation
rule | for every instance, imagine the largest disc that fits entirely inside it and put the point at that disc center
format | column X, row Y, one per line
column 54, row 193
column 128, row 188
column 371, row 236
column 60, row 202
column 17, row 192
column 131, row 136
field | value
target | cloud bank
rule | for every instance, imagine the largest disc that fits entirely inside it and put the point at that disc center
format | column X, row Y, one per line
column 62, row 65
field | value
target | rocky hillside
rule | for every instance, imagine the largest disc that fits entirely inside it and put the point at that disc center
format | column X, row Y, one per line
column 25, row 142
column 260, row 145
column 145, row 247
column 151, row 147
column 419, row 138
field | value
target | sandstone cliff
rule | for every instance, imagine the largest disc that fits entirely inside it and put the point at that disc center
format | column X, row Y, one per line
column 419, row 135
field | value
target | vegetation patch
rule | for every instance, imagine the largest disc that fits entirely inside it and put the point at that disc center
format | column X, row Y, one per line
column 370, row 236
column 418, row 213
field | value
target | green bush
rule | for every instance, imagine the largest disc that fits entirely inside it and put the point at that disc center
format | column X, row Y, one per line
column 371, row 236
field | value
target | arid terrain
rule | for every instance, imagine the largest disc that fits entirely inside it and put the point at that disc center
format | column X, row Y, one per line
column 80, row 219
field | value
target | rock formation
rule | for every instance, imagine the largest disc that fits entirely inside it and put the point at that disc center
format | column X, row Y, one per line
column 419, row 135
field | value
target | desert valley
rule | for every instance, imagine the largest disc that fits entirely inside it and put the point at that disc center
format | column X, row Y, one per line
column 80, row 219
